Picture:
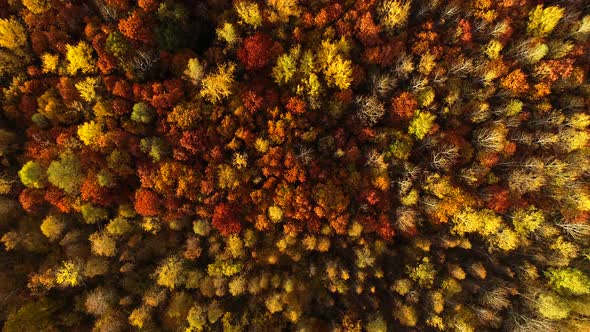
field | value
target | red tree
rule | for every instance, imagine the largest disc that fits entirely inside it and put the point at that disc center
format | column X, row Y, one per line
column 147, row 203
column 256, row 51
column 225, row 220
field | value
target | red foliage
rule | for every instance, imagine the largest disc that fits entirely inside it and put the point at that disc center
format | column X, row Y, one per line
column 296, row 105
column 31, row 199
column 225, row 220
column 465, row 27
column 256, row 51
column 252, row 101
column 58, row 198
column 123, row 89
column 134, row 27
column 368, row 31
column 147, row 203
column 67, row 89
column 497, row 198
column 167, row 94
column 403, row 106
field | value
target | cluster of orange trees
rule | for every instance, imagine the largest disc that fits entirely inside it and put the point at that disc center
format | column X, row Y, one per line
column 294, row 165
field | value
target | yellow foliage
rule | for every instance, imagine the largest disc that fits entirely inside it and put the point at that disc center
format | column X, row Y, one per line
column 80, row 58
column 86, row 88
column 171, row 273
column 484, row 222
column 427, row 63
column 52, row 227
column 68, row 274
column 285, row 8
column 89, row 132
column 249, row 13
column 421, row 123
column 37, row 6
column 49, row 62
column 227, row 178
column 12, row 33
column 493, row 48
column 217, row 86
column 505, row 240
column 339, row 73
column 543, row 20
column 275, row 213
column 394, row 13
column 286, row 66
column 228, row 33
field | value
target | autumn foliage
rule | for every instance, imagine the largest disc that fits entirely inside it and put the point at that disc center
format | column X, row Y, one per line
column 294, row 165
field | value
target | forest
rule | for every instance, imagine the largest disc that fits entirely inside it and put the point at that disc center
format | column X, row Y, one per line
column 294, row 165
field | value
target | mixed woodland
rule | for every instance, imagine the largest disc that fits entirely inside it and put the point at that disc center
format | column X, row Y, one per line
column 294, row 165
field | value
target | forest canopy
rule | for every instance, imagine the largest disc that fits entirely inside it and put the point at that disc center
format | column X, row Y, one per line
column 294, row 165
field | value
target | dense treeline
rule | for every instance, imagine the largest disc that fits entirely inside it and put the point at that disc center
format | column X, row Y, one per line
column 298, row 165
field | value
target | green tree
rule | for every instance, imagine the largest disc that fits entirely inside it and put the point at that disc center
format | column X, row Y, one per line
column 568, row 281
column 142, row 113
column 33, row 175
column 421, row 123
column 66, row 173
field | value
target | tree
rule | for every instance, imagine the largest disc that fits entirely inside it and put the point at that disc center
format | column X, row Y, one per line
column 256, row 51
column 66, row 173
column 394, row 13
column 339, row 73
column 87, row 88
column 286, row 66
column 526, row 221
column 171, row 273
column 568, row 281
column 37, row 6
column 543, row 20
column 80, row 59
column 142, row 113
column 249, row 13
column 53, row 227
column 135, row 28
column 228, row 33
column 69, row 274
column 33, row 175
column 216, row 87
column 102, row 244
column 552, row 306
column 225, row 220
column 90, row 133
column 99, row 301
column 194, row 71
column 421, row 123
column 147, row 203
column 12, row 34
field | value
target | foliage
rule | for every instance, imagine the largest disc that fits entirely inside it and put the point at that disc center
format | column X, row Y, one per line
column 80, row 59
column 542, row 20
column 217, row 86
column 12, row 33
column 33, row 175
column 66, row 173
column 294, row 165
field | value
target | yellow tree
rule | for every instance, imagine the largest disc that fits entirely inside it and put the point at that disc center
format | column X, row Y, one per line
column 12, row 33
column 80, row 58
